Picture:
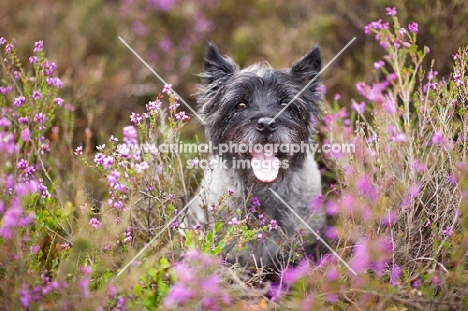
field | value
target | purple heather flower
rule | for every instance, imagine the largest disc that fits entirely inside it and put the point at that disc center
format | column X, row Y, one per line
column 153, row 106
column 337, row 97
column 55, row 82
column 38, row 46
column 130, row 135
column 33, row 59
column 16, row 75
column 379, row 64
column 36, row 95
column 165, row 45
column 395, row 275
column 416, row 283
column 428, row 50
column 360, row 108
column 273, row 225
column 94, row 222
column 23, row 120
column 413, row 27
column 4, row 122
column 323, row 90
column 233, row 221
column 178, row 294
column 2, row 41
column 260, row 237
column 332, row 274
column 167, row 88
column 108, row 162
column 331, row 232
column 230, row 191
column 79, row 150
column 361, row 260
column 6, row 89
column 58, row 101
column 388, row 219
column 432, row 74
column 112, row 138
column 9, row 48
column 448, row 231
column 25, row 134
column 136, row 118
column 39, row 117
column 49, row 67
column 391, row 11
column 292, row 275
column 113, row 177
column 22, row 164
column 437, row 138
column 181, row 116
column 19, row 101
column 99, row 158
column 366, row 187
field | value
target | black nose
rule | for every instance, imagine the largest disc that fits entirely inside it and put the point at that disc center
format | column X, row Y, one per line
column 266, row 125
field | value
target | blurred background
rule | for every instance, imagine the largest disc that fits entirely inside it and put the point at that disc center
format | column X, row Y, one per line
column 106, row 82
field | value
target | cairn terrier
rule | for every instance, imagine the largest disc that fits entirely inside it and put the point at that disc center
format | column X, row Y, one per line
column 241, row 109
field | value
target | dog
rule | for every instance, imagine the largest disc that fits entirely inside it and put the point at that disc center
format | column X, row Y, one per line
column 242, row 108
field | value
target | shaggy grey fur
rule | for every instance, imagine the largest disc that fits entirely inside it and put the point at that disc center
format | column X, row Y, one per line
column 232, row 101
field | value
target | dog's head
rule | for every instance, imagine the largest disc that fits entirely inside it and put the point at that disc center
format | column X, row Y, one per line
column 260, row 106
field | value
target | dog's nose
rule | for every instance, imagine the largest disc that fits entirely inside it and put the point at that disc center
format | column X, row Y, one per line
column 266, row 125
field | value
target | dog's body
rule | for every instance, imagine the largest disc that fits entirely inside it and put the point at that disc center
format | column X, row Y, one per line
column 239, row 107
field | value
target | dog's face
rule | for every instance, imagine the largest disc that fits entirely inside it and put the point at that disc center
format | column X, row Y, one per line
column 241, row 108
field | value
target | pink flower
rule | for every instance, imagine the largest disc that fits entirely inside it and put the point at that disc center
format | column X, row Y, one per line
column 437, row 138
column 360, row 108
column 167, row 88
column 25, row 134
column 38, row 46
column 413, row 27
column 379, row 64
column 391, row 11
column 79, row 151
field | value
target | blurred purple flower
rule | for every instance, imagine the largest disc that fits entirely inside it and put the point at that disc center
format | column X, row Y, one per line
column 165, row 45
column 360, row 108
column 437, row 138
column 58, row 101
column 391, row 11
column 273, row 225
column 413, row 27
column 94, row 222
column 167, row 88
column 25, row 134
column 36, row 95
column 19, row 101
column 38, row 46
column 395, row 275
column 33, row 59
column 379, row 64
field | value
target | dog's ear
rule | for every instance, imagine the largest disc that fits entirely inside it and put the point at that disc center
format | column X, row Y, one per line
column 307, row 68
column 217, row 67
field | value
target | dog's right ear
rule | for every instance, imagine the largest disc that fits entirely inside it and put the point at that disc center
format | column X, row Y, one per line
column 216, row 66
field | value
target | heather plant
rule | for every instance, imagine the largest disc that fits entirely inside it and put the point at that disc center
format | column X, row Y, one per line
column 399, row 199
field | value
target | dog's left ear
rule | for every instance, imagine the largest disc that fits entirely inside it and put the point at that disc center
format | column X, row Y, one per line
column 306, row 69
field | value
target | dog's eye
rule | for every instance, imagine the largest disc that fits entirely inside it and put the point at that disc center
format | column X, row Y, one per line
column 283, row 104
column 241, row 106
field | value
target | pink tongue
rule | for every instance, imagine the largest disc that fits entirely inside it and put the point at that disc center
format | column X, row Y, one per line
column 265, row 167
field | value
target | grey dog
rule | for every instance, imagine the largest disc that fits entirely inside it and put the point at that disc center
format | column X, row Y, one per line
column 241, row 108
